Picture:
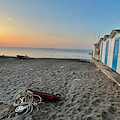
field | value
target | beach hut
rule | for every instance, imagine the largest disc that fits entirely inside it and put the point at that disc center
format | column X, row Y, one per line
column 96, row 50
column 110, row 50
column 103, row 48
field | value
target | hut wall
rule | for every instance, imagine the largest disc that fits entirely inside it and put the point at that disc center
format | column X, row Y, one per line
column 118, row 63
column 103, row 53
column 100, row 50
column 110, row 52
column 93, row 51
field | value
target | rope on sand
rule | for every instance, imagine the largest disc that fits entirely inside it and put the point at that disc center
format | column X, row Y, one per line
column 25, row 105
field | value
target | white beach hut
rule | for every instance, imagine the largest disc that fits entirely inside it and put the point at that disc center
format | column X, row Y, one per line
column 103, row 49
column 110, row 50
column 96, row 49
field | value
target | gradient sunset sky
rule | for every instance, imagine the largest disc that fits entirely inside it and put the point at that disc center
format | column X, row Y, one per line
column 56, row 23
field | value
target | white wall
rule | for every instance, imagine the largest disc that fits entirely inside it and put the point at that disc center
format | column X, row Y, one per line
column 118, row 63
column 104, row 49
column 111, row 49
column 100, row 48
column 93, row 50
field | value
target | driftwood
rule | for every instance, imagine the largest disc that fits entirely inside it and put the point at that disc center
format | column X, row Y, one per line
column 45, row 96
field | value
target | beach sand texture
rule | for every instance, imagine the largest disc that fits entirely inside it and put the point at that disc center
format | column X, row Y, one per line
column 86, row 93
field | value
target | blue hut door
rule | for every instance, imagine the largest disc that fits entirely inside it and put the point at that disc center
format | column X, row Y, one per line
column 115, row 55
column 106, row 53
column 101, row 52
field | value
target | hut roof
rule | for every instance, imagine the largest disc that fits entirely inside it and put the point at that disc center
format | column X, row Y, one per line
column 105, row 37
column 97, row 44
column 112, row 34
column 101, row 39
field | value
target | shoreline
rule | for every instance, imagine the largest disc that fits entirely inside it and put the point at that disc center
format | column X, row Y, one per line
column 75, row 59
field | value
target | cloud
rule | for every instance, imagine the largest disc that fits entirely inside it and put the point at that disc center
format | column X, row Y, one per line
column 56, row 35
column 9, row 19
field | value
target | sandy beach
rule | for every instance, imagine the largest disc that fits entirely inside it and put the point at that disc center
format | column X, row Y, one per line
column 86, row 93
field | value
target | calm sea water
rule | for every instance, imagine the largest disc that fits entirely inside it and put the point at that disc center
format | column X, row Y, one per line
column 47, row 52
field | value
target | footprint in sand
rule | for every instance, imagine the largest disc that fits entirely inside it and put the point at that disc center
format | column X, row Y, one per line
column 96, row 102
column 112, row 109
column 88, row 111
column 90, row 118
column 105, row 115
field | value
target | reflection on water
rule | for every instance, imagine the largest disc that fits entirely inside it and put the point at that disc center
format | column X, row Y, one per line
column 47, row 52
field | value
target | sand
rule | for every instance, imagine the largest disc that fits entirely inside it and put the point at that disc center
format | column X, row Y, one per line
column 86, row 93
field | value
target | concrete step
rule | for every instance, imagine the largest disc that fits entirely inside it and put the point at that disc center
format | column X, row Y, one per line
column 110, row 73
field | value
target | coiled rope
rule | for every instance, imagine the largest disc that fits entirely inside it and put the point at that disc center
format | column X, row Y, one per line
column 25, row 104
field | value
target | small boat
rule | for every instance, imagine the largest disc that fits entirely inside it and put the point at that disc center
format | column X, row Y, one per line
column 22, row 57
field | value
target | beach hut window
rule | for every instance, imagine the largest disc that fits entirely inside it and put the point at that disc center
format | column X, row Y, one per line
column 101, row 52
column 106, row 52
column 115, row 54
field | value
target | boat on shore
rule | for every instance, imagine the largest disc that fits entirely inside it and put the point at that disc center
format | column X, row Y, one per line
column 22, row 57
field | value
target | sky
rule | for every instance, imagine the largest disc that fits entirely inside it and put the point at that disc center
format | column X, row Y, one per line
column 57, row 23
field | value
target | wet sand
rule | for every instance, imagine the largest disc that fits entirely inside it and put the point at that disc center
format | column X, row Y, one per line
column 86, row 93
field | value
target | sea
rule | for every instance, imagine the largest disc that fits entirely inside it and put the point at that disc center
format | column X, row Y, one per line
column 47, row 52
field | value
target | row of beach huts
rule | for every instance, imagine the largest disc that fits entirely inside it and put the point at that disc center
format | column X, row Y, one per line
column 107, row 50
